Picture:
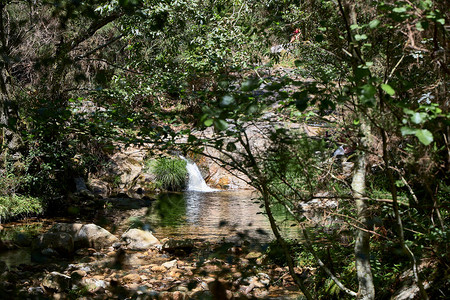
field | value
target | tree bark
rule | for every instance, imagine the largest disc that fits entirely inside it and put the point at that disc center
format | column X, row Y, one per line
column 362, row 243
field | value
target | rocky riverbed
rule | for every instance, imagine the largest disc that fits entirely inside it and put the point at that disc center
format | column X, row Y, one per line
column 135, row 266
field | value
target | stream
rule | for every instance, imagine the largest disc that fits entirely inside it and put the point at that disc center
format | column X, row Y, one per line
column 232, row 216
column 201, row 213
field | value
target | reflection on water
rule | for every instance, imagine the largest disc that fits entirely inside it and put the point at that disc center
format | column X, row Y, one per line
column 16, row 257
column 212, row 216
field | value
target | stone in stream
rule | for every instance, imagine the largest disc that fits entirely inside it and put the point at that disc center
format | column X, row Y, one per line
column 173, row 245
column 86, row 235
column 94, row 285
column 56, row 281
column 52, row 243
column 94, row 236
column 137, row 239
column 170, row 264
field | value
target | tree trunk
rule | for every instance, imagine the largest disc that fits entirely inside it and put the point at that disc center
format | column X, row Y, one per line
column 362, row 246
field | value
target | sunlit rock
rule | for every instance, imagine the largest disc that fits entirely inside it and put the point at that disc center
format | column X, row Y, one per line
column 137, row 239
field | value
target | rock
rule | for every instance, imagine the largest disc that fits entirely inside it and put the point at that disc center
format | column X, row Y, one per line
column 131, row 278
column 94, row 285
column 409, row 290
column 170, row 264
column 60, row 244
column 179, row 295
column 35, row 290
column 56, row 281
column 158, row 269
column 137, row 239
column 99, row 187
column 91, row 235
column 77, row 275
column 173, row 245
column 81, row 188
column 70, row 228
column 253, row 255
column 85, row 252
column 3, row 267
column 22, row 240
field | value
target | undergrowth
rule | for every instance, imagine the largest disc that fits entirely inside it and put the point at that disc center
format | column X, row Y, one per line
column 17, row 206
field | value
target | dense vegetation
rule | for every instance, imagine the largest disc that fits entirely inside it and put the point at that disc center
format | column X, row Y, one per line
column 78, row 77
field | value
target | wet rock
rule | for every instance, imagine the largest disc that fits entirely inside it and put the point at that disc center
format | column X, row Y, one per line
column 137, row 239
column 22, row 240
column 56, row 281
column 173, row 245
column 170, row 264
column 94, row 236
column 60, row 244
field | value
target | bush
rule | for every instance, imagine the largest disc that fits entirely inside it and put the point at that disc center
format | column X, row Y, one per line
column 16, row 206
column 171, row 173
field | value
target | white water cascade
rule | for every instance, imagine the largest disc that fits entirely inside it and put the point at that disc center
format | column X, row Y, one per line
column 196, row 182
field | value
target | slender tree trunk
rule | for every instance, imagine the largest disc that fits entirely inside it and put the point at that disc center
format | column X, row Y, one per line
column 283, row 244
column 362, row 243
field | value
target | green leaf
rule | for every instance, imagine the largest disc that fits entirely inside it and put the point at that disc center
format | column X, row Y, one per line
column 374, row 23
column 388, row 89
column 441, row 21
column 424, row 136
column 360, row 37
column 226, row 100
column 249, row 85
column 401, row 9
column 407, row 130
column 367, row 95
column 419, row 26
column 220, row 125
column 418, row 118
column 208, row 122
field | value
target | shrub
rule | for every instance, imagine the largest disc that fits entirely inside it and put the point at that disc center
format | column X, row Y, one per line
column 16, row 206
column 171, row 173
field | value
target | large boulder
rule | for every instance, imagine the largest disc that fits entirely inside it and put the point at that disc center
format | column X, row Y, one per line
column 70, row 228
column 54, row 243
column 94, row 236
column 137, row 239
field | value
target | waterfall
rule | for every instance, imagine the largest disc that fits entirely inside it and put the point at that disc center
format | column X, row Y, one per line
column 196, row 182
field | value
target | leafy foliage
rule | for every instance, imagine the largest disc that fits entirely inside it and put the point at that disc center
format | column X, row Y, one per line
column 17, row 206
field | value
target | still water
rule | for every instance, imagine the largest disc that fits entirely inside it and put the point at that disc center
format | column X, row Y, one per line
column 232, row 216
column 213, row 216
